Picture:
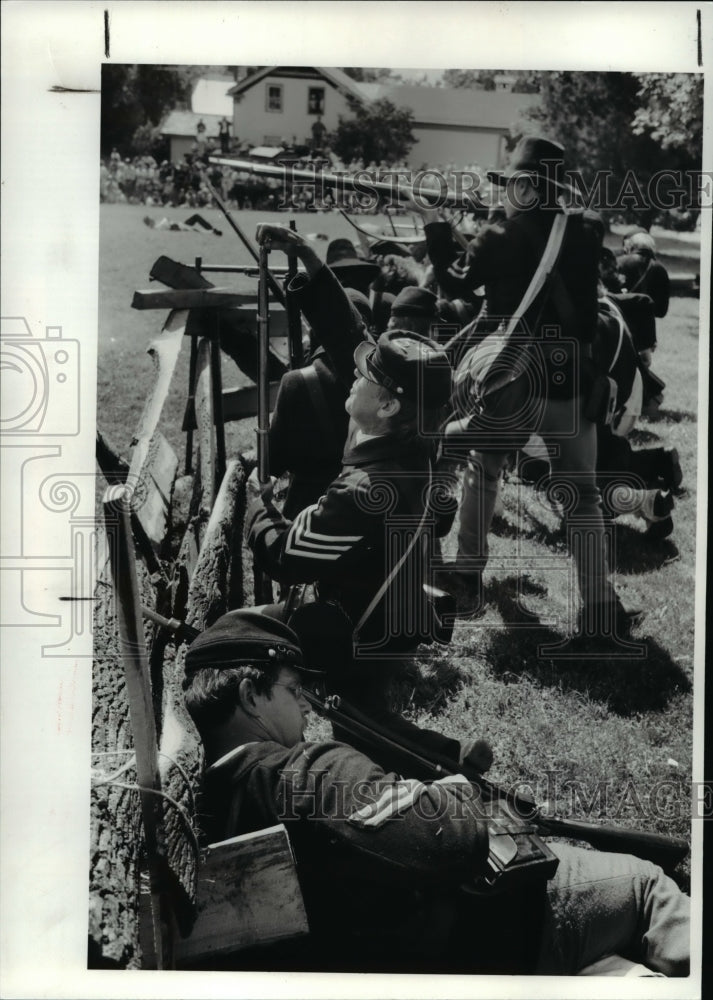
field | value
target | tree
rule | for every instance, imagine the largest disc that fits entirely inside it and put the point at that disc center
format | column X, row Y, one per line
column 671, row 112
column 363, row 75
column 137, row 97
column 378, row 133
column 524, row 82
column 594, row 116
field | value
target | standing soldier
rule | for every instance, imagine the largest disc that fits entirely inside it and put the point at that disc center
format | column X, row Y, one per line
column 504, row 257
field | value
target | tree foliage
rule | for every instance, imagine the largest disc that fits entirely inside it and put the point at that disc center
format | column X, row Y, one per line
column 631, row 126
column 378, row 133
column 134, row 99
column 363, row 75
column 671, row 111
column 524, row 82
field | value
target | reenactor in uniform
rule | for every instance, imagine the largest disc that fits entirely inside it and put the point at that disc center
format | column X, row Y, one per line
column 366, row 543
column 503, row 258
column 389, row 866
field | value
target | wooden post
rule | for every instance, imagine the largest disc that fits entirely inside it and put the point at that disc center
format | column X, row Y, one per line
column 117, row 515
column 188, row 468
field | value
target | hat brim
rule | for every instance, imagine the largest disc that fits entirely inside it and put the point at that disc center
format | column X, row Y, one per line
column 355, row 264
column 362, row 353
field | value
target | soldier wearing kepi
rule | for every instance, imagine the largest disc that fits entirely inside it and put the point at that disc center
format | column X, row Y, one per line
column 385, row 861
column 366, row 544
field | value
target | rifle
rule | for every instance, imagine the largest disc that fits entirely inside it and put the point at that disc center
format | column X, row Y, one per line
column 664, row 851
column 362, row 183
column 294, row 323
column 262, row 583
column 274, row 285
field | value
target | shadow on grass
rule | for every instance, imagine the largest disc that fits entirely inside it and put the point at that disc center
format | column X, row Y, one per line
column 640, row 436
column 635, row 552
column 628, row 684
column 424, row 684
column 674, row 416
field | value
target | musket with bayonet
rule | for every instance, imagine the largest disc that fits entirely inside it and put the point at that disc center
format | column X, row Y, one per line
column 411, row 761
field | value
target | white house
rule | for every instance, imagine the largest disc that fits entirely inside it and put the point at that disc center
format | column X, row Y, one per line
column 210, row 101
column 280, row 104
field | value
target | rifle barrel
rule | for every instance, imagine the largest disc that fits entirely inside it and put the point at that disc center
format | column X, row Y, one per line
column 363, row 182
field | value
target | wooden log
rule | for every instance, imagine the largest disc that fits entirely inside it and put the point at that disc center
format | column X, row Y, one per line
column 238, row 404
column 215, row 587
column 248, row 894
column 216, row 583
column 115, row 820
column 190, row 298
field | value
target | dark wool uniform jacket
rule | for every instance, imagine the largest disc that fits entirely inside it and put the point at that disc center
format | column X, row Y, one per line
column 354, row 876
column 349, row 540
column 504, row 256
column 646, row 276
column 305, row 439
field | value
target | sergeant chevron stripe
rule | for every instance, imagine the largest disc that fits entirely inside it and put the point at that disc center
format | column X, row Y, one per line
column 303, row 541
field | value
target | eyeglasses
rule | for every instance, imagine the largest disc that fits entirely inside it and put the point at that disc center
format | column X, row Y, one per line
column 296, row 689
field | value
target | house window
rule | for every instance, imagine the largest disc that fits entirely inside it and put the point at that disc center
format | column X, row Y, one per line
column 274, row 97
column 315, row 101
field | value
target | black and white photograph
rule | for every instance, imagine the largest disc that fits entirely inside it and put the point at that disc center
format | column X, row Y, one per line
column 354, row 445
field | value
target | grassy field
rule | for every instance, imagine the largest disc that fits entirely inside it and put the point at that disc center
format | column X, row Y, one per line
column 596, row 738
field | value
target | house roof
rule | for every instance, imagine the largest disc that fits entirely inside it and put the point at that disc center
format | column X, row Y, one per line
column 429, row 105
column 185, row 123
column 454, row 106
column 337, row 77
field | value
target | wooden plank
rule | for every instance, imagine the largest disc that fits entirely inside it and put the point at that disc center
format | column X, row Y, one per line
column 176, row 275
column 248, row 894
column 205, row 419
column 237, row 404
column 134, row 658
column 151, row 495
column 190, row 298
column 164, row 351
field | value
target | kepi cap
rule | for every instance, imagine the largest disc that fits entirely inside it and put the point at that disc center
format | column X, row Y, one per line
column 245, row 636
column 408, row 365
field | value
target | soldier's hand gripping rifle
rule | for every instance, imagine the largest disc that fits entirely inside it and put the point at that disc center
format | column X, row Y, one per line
column 409, row 760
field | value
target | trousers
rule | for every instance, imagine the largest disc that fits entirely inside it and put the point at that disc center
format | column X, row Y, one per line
column 572, row 442
column 601, row 904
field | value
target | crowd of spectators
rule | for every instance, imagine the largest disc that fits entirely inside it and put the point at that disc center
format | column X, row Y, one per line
column 143, row 180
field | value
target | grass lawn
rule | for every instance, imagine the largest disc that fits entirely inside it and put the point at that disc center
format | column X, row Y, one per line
column 593, row 737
